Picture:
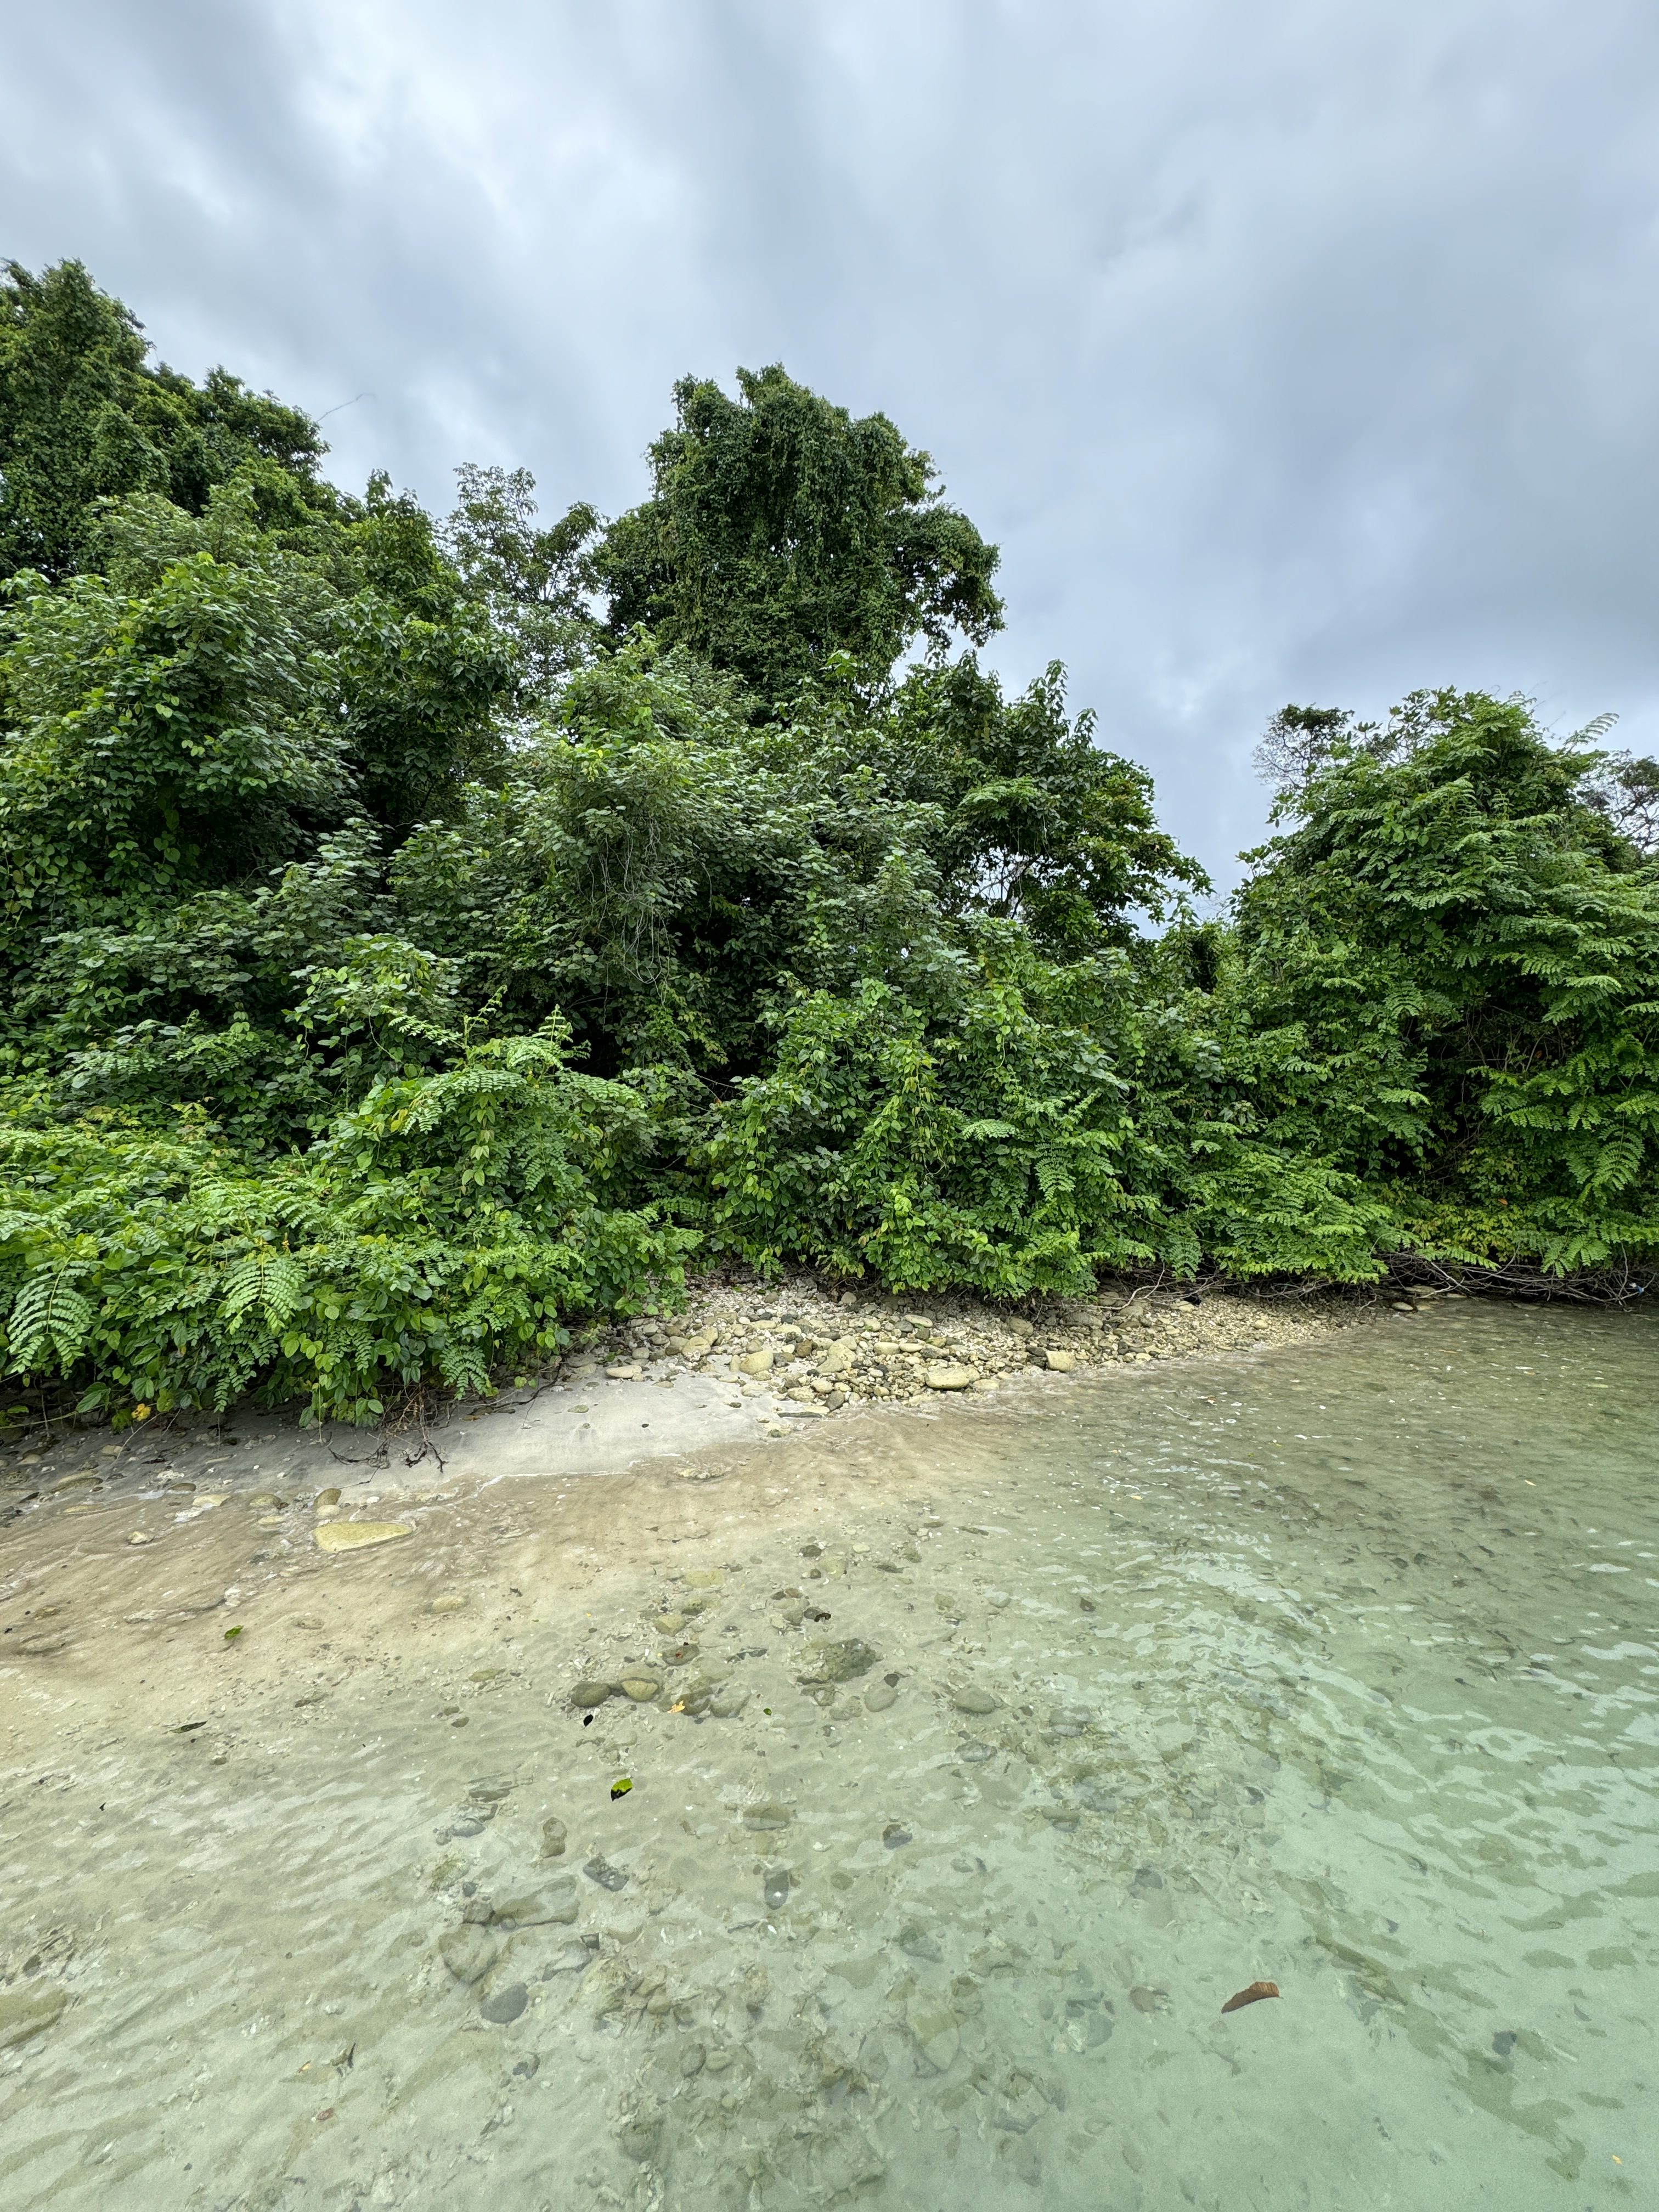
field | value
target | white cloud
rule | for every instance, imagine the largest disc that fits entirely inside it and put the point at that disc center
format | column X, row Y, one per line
column 1289, row 351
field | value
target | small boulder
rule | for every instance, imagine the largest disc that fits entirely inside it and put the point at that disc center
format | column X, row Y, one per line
column 1060, row 1362
column 754, row 1362
column 951, row 1378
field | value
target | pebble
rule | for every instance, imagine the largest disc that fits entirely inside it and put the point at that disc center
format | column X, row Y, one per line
column 968, row 1700
column 553, row 1839
column 357, row 1535
column 606, row 1875
column 879, row 1696
column 450, row 1602
column 935, row 2031
column 894, row 1838
column 1060, row 1362
column 640, row 1688
column 775, row 1886
column 586, row 1695
column 506, row 2005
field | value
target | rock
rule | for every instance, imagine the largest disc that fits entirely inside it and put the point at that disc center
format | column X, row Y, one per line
column 774, row 1888
column 553, row 1906
column 357, row 1535
column 29, row 2011
column 727, row 1702
column 878, row 1697
column 468, row 1951
column 553, row 1839
column 951, row 1378
column 330, row 1496
column 450, row 1602
column 528, row 2067
column 668, row 1623
column 753, row 1362
column 625, row 1374
column 1020, row 1326
column 763, row 1817
column 916, row 1941
column 1020, row 2107
column 936, row 2033
column 838, row 1662
column 639, row 1687
column 703, row 1579
column 1146, row 2000
column 837, row 1359
column 586, row 1695
column 638, row 2136
column 506, row 2005
column 894, row 1838
column 1060, row 1362
column 973, row 1753
column 44, row 1647
column 969, row 1700
column 606, row 1875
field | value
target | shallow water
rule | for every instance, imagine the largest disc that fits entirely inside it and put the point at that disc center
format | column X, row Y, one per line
column 1338, row 1669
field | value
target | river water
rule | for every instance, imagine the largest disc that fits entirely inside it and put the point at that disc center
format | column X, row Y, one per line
column 1337, row 1669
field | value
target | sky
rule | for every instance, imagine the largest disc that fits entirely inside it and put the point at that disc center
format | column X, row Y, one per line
column 1290, row 350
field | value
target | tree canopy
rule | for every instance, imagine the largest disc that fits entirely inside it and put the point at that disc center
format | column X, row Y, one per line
column 421, row 932
column 781, row 532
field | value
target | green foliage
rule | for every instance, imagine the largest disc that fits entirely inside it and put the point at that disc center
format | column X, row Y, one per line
column 1450, row 987
column 83, row 418
column 437, row 1231
column 781, row 532
column 401, row 964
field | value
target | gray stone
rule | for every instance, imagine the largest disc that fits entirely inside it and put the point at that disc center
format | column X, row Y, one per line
column 879, row 1696
column 586, row 1695
column 506, row 2005
column 554, row 1903
column 607, row 1876
column 838, row 1662
column 468, row 1953
column 952, row 1378
column 967, row 1699
column 553, row 1839
column 1060, row 1362
column 776, row 1887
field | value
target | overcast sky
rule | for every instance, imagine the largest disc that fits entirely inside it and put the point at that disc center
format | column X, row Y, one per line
column 1290, row 349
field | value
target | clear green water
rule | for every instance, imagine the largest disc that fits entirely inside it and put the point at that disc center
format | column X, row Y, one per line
column 1340, row 1669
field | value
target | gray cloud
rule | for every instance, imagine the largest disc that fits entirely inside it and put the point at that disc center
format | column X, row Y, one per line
column 1289, row 351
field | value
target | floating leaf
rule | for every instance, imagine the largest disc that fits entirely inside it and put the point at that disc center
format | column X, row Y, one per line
column 622, row 1788
column 231, row 1634
column 1254, row 1994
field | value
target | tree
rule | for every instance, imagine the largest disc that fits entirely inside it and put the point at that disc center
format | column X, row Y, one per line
column 84, row 417
column 781, row 532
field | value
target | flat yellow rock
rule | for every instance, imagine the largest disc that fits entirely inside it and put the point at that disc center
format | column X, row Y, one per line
column 357, row 1535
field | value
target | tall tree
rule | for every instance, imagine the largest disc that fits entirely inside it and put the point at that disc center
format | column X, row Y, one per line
column 84, row 416
column 781, row 530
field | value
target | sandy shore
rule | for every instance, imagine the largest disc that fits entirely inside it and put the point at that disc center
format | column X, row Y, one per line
column 216, row 1568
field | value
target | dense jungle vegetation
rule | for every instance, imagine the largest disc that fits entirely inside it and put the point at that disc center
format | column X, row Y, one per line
column 420, row 933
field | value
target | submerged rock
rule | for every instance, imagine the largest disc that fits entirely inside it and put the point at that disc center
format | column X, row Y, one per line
column 607, row 1876
column 357, row 1535
column 842, row 1661
column 967, row 1699
column 553, row 1839
column 506, row 2005
column 468, row 1951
